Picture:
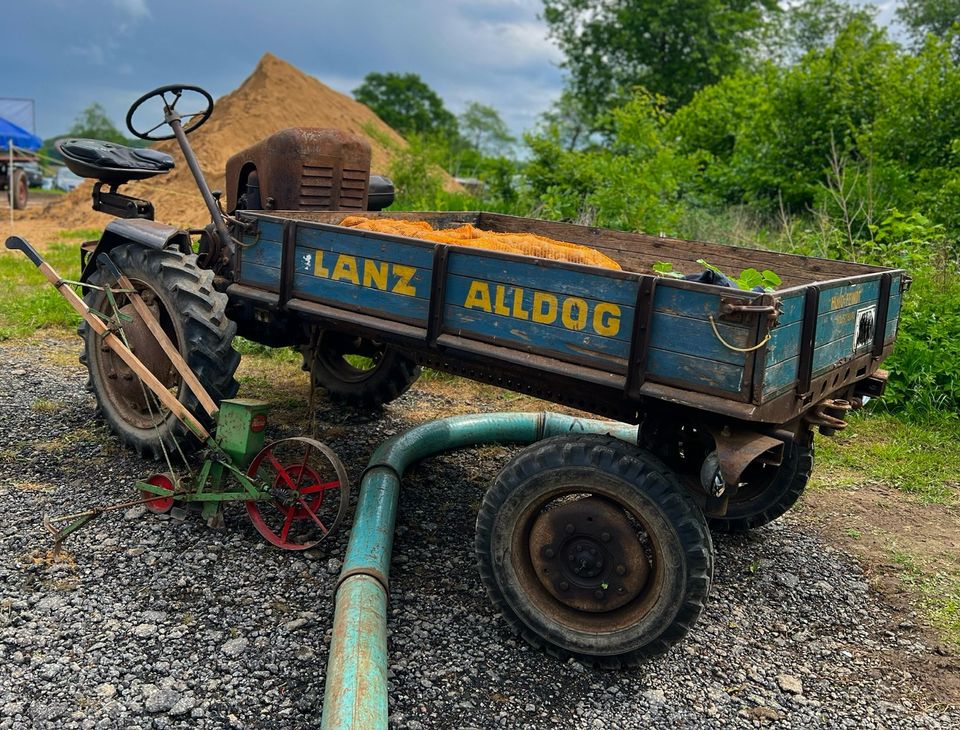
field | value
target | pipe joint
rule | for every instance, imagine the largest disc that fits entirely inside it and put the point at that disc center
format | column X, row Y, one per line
column 368, row 571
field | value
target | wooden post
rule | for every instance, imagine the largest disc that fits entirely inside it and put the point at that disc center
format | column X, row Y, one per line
column 10, row 183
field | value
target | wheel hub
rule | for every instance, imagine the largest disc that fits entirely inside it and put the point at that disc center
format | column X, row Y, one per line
column 124, row 382
column 588, row 556
column 585, row 558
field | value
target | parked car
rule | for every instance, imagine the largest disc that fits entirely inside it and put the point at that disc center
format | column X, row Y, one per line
column 34, row 173
column 66, row 180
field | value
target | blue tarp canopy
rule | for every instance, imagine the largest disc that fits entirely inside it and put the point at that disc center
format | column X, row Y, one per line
column 10, row 132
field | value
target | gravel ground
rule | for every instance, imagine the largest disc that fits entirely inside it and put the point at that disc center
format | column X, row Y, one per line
column 155, row 623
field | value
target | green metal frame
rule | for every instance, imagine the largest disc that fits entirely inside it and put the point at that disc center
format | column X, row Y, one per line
column 238, row 439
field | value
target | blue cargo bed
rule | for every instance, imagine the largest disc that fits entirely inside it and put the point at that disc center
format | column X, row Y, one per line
column 602, row 340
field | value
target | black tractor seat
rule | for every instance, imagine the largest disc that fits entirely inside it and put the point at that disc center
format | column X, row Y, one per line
column 112, row 163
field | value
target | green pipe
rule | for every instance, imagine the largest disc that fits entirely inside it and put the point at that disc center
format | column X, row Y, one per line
column 355, row 693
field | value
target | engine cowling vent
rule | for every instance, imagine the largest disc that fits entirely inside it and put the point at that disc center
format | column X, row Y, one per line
column 303, row 169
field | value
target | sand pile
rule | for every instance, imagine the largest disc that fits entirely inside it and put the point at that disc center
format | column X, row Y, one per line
column 275, row 96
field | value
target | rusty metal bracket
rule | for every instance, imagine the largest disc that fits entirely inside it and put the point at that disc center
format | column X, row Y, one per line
column 736, row 309
column 828, row 415
column 738, row 448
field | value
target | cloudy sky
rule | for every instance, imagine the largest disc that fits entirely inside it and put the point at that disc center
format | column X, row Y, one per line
column 66, row 54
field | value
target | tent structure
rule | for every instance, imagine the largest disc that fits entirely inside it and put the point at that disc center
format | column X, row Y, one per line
column 10, row 132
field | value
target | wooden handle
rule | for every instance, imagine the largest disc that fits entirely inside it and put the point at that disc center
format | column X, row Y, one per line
column 166, row 345
column 112, row 341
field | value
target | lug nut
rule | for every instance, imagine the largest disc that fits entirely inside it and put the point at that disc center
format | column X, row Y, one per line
column 605, row 536
column 593, row 551
column 564, row 585
column 549, row 552
column 569, row 528
column 598, row 594
column 621, row 569
column 621, row 590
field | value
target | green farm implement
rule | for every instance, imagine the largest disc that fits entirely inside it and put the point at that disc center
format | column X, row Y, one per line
column 295, row 490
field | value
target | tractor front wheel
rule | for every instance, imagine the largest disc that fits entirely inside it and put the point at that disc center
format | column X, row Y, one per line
column 192, row 313
column 359, row 372
column 591, row 548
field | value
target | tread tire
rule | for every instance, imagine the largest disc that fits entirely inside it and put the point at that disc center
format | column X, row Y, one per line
column 391, row 378
column 588, row 461
column 19, row 193
column 762, row 508
column 198, row 314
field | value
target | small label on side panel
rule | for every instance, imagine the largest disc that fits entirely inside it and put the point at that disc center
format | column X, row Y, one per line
column 864, row 328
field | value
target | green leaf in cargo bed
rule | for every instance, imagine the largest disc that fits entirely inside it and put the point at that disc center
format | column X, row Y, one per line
column 661, row 268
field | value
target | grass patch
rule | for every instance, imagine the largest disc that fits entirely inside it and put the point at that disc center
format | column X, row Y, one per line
column 27, row 301
column 282, row 354
column 920, row 458
column 938, row 593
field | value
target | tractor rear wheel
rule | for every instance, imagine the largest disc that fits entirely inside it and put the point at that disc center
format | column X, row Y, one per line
column 359, row 372
column 20, row 190
column 192, row 313
column 591, row 548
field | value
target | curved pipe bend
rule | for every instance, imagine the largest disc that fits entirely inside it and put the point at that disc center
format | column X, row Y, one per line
column 355, row 694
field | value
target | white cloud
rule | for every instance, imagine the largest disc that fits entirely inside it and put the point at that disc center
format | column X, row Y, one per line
column 135, row 9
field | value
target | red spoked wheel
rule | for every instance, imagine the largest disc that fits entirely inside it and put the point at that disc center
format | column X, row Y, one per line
column 309, row 492
column 154, row 502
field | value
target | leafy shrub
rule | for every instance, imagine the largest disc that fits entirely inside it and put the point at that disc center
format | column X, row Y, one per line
column 925, row 366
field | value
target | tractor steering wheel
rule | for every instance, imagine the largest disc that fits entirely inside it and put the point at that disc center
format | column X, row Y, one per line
column 190, row 121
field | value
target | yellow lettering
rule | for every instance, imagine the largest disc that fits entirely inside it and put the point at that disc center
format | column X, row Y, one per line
column 567, row 317
column 375, row 274
column 318, row 267
column 478, row 297
column 404, row 274
column 610, row 326
column 544, row 307
column 498, row 304
column 346, row 270
column 846, row 300
column 518, row 311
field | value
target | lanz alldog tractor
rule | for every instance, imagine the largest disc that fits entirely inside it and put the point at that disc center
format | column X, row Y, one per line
column 593, row 541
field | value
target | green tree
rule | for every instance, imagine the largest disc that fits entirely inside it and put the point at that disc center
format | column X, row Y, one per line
column 570, row 121
column 483, row 128
column 671, row 48
column 94, row 123
column 812, row 25
column 407, row 104
column 923, row 17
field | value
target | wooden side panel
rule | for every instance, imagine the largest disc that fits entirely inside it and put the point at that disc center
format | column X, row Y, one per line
column 259, row 260
column 839, row 317
column 893, row 312
column 783, row 349
column 575, row 316
column 684, row 350
column 379, row 277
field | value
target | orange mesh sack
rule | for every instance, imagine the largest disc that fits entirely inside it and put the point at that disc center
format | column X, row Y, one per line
column 527, row 244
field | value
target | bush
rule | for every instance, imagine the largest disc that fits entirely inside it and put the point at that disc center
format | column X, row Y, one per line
column 925, row 366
